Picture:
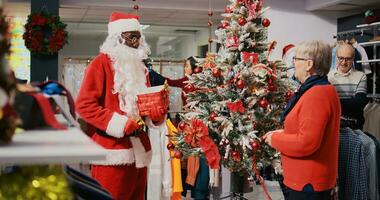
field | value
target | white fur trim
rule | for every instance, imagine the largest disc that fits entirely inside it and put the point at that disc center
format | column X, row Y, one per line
column 123, row 25
column 116, row 125
column 116, row 157
column 142, row 158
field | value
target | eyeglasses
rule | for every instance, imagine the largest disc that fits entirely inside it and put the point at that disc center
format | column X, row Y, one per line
column 297, row 58
column 347, row 59
column 132, row 37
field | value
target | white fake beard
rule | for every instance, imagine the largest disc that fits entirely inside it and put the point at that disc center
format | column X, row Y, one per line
column 130, row 71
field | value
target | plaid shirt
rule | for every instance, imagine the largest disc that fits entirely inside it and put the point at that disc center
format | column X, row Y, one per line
column 352, row 167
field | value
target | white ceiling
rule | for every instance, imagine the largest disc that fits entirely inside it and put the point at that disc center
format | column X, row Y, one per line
column 165, row 17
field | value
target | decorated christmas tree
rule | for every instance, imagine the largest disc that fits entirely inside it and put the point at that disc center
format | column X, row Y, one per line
column 237, row 97
column 8, row 118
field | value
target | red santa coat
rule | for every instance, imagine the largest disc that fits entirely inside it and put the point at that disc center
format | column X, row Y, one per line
column 99, row 107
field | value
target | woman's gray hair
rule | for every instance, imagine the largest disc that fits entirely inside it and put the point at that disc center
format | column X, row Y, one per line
column 317, row 51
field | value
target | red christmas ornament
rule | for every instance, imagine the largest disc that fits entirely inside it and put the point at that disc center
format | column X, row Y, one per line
column 240, row 84
column 228, row 10
column 225, row 25
column 270, row 81
column 272, row 87
column 265, row 22
column 255, row 145
column 181, row 125
column 288, row 95
column 198, row 70
column 209, row 23
column 263, row 103
column 254, row 125
column 242, row 21
column 170, row 146
column 178, row 154
column 136, row 7
column 239, row 2
column 210, row 40
column 235, row 156
column 189, row 88
column 216, row 72
column 212, row 117
column 210, row 13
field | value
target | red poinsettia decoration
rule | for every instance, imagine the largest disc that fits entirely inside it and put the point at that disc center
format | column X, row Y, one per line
column 197, row 135
column 236, row 106
column 44, row 34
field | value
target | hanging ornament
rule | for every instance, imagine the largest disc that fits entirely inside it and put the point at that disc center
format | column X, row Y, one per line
column 210, row 40
column 265, row 22
column 170, row 146
column 272, row 87
column 213, row 117
column 240, row 84
column 181, row 125
column 239, row 2
column 288, row 95
column 135, row 7
column 235, row 156
column 209, row 23
column 226, row 141
column 178, row 154
column 225, row 24
column 255, row 145
column 228, row 10
column 210, row 13
column 242, row 21
column 189, row 88
column 254, row 124
column 263, row 103
column 216, row 72
column 198, row 70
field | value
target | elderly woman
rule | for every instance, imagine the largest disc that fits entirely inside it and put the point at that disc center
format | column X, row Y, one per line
column 309, row 141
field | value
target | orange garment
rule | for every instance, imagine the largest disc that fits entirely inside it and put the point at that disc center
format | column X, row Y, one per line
column 310, row 139
column 175, row 167
column 192, row 169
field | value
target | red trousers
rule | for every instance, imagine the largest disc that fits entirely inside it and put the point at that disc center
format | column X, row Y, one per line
column 125, row 182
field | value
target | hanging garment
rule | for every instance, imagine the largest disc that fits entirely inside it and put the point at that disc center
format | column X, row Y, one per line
column 159, row 172
column 175, row 167
column 370, row 159
column 377, row 144
column 372, row 118
column 366, row 68
column 352, row 173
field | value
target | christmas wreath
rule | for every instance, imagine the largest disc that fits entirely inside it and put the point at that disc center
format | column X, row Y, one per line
column 45, row 34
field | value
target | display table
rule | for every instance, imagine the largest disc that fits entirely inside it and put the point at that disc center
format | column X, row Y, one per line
column 51, row 146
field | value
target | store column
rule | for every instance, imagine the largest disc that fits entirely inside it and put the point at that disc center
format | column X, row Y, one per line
column 44, row 67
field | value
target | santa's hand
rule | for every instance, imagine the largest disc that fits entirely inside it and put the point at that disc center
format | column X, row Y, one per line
column 131, row 126
column 157, row 115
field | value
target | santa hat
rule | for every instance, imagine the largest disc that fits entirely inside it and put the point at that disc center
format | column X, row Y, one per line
column 286, row 49
column 122, row 22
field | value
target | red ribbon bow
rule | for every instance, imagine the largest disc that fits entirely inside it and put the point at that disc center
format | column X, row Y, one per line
column 253, row 57
column 236, row 106
column 197, row 134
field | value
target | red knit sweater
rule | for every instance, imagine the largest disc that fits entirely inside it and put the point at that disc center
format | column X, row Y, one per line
column 310, row 139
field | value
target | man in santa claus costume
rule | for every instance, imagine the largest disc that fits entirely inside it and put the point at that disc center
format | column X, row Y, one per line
column 107, row 102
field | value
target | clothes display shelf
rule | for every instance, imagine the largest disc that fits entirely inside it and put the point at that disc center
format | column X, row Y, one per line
column 374, row 61
column 51, row 147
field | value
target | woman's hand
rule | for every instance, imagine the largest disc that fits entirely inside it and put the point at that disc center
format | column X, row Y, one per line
column 268, row 136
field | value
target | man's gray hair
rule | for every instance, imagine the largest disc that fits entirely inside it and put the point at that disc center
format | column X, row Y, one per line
column 317, row 51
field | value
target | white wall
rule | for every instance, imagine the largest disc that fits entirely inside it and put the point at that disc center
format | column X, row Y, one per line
column 291, row 23
column 187, row 47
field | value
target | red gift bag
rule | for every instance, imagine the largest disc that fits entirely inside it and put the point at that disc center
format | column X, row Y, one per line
column 152, row 98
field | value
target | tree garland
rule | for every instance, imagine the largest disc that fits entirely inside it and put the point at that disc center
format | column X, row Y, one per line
column 45, row 34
